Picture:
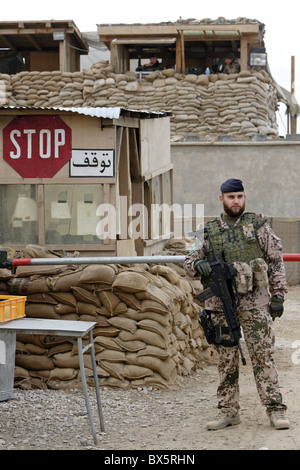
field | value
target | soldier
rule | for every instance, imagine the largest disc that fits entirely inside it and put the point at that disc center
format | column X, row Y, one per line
column 154, row 64
column 252, row 247
column 232, row 64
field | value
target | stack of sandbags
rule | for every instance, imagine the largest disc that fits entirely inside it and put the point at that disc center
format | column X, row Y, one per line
column 241, row 104
column 146, row 333
column 6, row 94
column 48, row 89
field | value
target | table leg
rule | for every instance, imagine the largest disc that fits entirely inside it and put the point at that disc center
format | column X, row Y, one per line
column 91, row 339
column 7, row 364
column 85, row 391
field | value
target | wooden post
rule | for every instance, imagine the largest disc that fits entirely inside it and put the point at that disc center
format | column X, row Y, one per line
column 293, row 118
column 178, row 54
column 182, row 52
column 244, row 54
column 114, row 57
column 62, row 56
column 124, row 184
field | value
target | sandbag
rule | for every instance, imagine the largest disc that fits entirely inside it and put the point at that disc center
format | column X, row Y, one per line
column 167, row 272
column 63, row 374
column 130, row 282
column 123, row 323
column 67, row 298
column 41, row 311
column 149, row 337
column 34, row 362
column 100, row 273
column 164, row 367
column 84, row 295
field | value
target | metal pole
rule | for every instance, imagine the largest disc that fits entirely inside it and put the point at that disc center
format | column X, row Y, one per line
column 85, row 390
column 94, row 365
column 291, row 257
column 115, row 260
column 95, row 260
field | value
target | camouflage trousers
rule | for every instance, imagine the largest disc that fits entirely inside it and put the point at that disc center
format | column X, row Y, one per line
column 259, row 337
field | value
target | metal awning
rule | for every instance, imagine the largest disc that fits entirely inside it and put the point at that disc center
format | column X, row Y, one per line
column 98, row 112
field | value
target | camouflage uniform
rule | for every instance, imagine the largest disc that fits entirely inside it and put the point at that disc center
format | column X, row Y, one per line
column 234, row 67
column 256, row 322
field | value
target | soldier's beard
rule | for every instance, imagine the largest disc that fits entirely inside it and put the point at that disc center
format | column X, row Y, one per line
column 234, row 211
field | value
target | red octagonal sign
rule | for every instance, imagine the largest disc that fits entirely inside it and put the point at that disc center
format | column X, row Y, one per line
column 37, row 146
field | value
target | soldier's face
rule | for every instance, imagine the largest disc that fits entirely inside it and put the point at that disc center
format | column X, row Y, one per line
column 233, row 203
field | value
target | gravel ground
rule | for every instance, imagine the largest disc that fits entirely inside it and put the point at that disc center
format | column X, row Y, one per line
column 149, row 419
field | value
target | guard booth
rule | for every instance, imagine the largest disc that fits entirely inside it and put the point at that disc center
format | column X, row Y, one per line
column 43, row 45
column 189, row 45
column 85, row 179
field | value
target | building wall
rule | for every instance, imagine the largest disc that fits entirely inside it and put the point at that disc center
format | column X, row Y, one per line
column 270, row 173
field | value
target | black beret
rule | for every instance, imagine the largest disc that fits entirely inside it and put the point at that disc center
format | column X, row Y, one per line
column 232, row 186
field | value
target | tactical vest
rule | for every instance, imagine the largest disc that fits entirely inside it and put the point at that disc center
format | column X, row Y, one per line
column 238, row 243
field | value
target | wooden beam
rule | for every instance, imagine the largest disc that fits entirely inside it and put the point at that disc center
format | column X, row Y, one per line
column 62, row 56
column 154, row 41
column 135, row 30
column 182, row 52
column 178, row 54
column 26, row 31
column 8, row 43
column 135, row 170
column 114, row 31
column 114, row 58
column 34, row 42
column 244, row 54
column 124, row 183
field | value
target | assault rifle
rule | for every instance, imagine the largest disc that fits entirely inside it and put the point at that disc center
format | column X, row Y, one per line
column 224, row 287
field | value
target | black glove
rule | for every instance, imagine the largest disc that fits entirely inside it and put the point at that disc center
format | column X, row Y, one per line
column 276, row 306
column 202, row 267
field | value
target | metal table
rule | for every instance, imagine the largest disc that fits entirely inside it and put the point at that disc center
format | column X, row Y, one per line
column 140, row 73
column 73, row 331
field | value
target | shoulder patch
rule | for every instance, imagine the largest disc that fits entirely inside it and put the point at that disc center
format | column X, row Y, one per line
column 260, row 220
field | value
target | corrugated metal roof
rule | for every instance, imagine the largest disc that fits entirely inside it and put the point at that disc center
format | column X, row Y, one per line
column 109, row 113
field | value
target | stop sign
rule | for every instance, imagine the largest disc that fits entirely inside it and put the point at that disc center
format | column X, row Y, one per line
column 37, row 146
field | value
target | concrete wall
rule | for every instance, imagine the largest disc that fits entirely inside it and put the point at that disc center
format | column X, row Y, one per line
column 270, row 172
column 271, row 175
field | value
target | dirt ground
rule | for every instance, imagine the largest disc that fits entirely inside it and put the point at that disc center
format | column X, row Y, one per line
column 162, row 419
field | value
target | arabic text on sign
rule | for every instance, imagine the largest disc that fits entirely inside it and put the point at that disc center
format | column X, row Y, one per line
column 92, row 163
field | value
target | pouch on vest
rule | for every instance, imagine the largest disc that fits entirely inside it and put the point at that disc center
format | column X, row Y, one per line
column 260, row 272
column 244, row 277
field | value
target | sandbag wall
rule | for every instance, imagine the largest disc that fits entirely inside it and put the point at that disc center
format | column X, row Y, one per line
column 147, row 331
column 241, row 104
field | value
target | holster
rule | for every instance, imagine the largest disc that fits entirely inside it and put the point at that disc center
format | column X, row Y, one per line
column 214, row 331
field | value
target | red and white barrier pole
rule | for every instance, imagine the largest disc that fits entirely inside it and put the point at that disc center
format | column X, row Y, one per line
column 116, row 260
column 291, row 257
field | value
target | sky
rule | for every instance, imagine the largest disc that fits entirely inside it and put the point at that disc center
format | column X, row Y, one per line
column 281, row 22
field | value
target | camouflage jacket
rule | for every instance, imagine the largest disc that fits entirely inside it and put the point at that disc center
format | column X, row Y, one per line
column 234, row 67
column 259, row 296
